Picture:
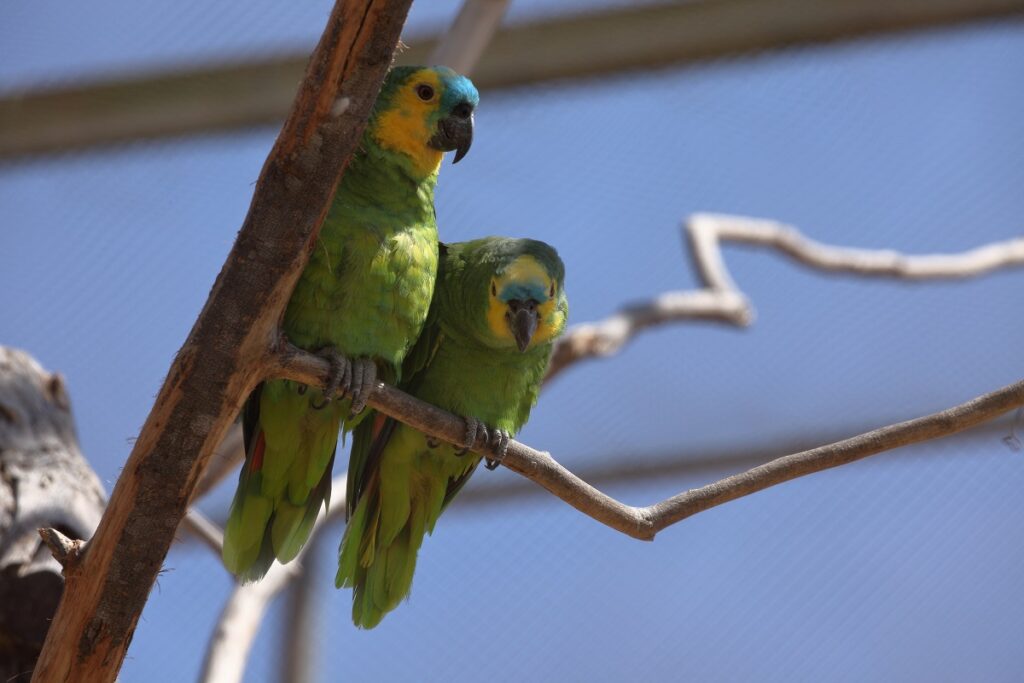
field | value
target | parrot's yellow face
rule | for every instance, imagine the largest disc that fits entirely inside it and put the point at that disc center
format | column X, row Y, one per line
column 523, row 307
column 423, row 112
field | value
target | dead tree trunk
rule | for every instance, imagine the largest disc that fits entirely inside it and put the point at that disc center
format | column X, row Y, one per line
column 44, row 482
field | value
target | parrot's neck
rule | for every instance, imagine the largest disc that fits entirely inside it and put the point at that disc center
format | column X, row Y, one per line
column 390, row 166
column 379, row 180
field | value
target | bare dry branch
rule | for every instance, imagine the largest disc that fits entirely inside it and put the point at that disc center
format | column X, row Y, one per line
column 473, row 28
column 722, row 300
column 226, row 457
column 224, row 355
column 200, row 526
column 240, row 619
column 707, row 231
column 238, row 625
column 643, row 523
column 67, row 551
column 608, row 336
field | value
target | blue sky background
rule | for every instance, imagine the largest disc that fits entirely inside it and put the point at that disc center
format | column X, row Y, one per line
column 901, row 567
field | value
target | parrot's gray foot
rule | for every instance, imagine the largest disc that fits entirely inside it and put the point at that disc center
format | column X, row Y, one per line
column 363, row 380
column 347, row 377
column 432, row 442
column 356, row 378
column 496, row 440
column 338, row 377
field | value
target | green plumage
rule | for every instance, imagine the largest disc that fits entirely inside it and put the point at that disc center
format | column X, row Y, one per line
column 465, row 362
column 365, row 293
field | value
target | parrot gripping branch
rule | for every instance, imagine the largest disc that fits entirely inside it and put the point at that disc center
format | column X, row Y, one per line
column 720, row 299
column 644, row 522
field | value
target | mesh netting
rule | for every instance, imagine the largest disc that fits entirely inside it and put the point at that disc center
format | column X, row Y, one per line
column 901, row 567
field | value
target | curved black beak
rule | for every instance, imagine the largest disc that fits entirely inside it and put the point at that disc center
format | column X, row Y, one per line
column 522, row 320
column 455, row 132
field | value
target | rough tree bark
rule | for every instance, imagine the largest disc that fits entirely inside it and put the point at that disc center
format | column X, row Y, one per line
column 224, row 355
column 44, row 482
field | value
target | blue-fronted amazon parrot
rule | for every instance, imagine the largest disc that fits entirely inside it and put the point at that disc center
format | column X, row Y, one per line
column 498, row 307
column 361, row 301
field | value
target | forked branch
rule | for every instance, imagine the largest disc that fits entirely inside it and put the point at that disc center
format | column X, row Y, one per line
column 722, row 300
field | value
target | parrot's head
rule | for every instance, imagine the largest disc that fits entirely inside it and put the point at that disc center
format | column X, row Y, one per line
column 423, row 112
column 515, row 294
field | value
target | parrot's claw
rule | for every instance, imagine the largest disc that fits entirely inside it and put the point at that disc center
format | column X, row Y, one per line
column 432, row 442
column 472, row 426
column 499, row 448
column 364, row 379
column 338, row 377
column 496, row 439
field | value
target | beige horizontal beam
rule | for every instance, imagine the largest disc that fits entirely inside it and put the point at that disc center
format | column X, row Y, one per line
column 229, row 96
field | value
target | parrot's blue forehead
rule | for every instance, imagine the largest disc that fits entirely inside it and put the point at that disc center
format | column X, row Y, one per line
column 523, row 291
column 457, row 89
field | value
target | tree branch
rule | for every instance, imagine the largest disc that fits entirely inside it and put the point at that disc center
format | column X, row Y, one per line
column 239, row 622
column 644, row 522
column 200, row 526
column 224, row 355
column 722, row 300
column 607, row 337
column 706, row 231
column 225, row 458
column 472, row 30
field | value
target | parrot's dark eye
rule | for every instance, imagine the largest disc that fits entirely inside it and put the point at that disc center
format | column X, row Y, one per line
column 494, row 290
column 424, row 92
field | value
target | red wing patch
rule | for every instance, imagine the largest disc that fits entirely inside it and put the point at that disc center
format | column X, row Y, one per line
column 378, row 424
column 256, row 462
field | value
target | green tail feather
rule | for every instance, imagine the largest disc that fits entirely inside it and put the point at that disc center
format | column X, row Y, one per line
column 274, row 509
column 377, row 563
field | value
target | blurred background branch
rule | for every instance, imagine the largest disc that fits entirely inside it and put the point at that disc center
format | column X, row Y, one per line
column 240, row 620
column 646, row 36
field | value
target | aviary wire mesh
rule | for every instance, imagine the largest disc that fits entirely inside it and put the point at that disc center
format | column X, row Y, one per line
column 901, row 567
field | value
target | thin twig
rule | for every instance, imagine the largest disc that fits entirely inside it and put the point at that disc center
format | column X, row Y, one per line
column 644, row 523
column 67, row 551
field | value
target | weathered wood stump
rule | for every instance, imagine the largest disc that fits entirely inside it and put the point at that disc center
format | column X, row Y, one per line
column 44, row 482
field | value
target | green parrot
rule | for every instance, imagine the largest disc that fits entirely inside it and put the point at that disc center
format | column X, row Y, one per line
column 498, row 307
column 361, row 301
